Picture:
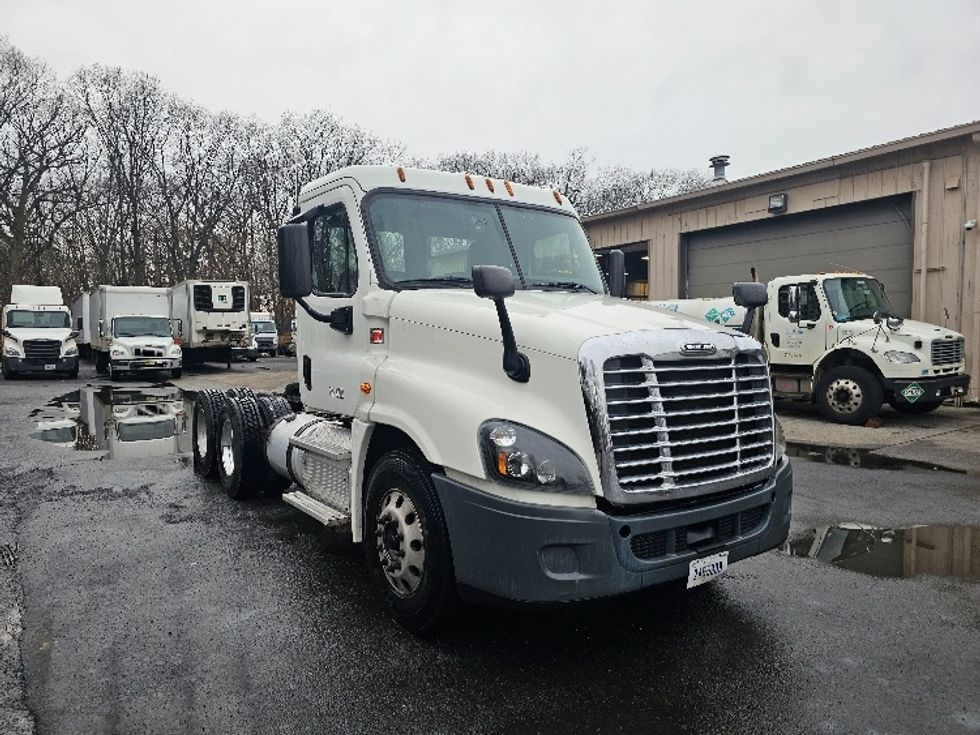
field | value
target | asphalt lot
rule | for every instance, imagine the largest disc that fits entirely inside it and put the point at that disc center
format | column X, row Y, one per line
column 137, row 599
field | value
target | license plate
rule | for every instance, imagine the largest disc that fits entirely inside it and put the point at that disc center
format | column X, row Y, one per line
column 706, row 569
column 50, row 367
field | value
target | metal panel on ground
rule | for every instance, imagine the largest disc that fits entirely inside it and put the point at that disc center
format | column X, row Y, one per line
column 874, row 237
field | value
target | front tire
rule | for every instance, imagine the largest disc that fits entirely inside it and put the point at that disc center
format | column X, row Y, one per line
column 176, row 373
column 407, row 543
column 849, row 395
column 917, row 408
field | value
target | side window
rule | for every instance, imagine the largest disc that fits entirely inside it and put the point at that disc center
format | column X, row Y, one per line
column 334, row 254
column 783, row 305
column 809, row 306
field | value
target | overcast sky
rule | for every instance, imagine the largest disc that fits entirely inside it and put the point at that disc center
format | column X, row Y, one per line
column 645, row 84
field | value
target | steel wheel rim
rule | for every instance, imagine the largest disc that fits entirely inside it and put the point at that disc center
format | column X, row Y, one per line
column 201, row 434
column 227, row 451
column 400, row 543
column 844, row 395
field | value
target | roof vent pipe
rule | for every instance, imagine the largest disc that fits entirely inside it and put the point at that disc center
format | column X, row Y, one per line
column 719, row 163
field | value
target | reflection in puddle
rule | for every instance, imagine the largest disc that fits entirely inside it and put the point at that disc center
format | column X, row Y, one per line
column 853, row 457
column 947, row 551
column 125, row 422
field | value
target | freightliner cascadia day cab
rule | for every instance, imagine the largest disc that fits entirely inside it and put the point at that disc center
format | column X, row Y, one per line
column 211, row 319
column 834, row 338
column 132, row 331
column 36, row 333
column 487, row 418
column 265, row 332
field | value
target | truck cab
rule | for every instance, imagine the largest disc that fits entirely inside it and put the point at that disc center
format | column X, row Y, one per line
column 485, row 417
column 265, row 333
column 36, row 333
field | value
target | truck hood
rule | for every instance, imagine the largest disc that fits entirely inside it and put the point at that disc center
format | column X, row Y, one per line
column 145, row 341
column 905, row 336
column 555, row 322
column 22, row 333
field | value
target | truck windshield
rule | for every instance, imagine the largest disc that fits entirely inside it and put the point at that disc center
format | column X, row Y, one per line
column 433, row 242
column 141, row 326
column 145, row 430
column 24, row 319
column 264, row 326
column 851, row 299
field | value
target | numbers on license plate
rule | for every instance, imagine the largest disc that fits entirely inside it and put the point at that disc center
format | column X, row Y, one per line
column 706, row 569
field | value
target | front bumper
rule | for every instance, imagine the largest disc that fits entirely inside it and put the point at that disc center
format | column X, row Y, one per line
column 934, row 389
column 141, row 364
column 535, row 553
column 35, row 365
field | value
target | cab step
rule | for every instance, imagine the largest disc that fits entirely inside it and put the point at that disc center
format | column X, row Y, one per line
column 321, row 511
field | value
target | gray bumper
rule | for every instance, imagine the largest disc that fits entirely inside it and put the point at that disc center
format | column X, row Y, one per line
column 34, row 365
column 537, row 553
column 147, row 364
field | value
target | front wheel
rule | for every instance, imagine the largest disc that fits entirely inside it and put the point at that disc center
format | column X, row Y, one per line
column 919, row 407
column 407, row 544
column 176, row 373
column 849, row 395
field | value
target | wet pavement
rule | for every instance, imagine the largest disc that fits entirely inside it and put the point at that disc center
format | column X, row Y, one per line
column 150, row 603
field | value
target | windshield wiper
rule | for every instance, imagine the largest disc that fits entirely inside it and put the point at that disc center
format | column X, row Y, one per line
column 435, row 281
column 565, row 285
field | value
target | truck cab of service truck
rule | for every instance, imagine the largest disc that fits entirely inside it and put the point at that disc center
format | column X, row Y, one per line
column 36, row 333
column 837, row 336
column 488, row 417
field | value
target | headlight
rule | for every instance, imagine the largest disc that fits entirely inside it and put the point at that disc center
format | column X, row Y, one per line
column 71, row 352
column 10, row 351
column 175, row 350
column 896, row 356
column 779, row 440
column 517, row 455
column 117, row 352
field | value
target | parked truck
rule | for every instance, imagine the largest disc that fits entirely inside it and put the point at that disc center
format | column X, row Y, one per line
column 485, row 417
column 834, row 338
column 265, row 332
column 211, row 318
column 132, row 332
column 36, row 333
column 80, row 323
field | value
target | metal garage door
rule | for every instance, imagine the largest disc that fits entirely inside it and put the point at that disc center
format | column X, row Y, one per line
column 874, row 237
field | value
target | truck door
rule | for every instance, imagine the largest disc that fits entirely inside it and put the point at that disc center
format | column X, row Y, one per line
column 794, row 329
column 331, row 359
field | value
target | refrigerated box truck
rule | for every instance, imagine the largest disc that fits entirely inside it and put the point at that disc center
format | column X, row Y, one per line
column 211, row 319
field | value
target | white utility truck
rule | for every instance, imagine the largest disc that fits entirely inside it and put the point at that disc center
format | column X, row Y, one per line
column 834, row 338
column 211, row 319
column 131, row 331
column 485, row 417
column 80, row 323
column 37, row 334
column 265, row 332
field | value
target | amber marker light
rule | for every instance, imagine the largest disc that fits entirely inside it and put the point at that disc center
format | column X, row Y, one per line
column 490, row 185
column 469, row 181
column 557, row 196
column 509, row 188
column 365, row 388
column 502, row 463
column 401, row 174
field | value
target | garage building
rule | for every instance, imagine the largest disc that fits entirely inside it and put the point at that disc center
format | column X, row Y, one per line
column 888, row 210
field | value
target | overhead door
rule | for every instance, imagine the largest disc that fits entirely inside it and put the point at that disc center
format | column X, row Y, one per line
column 874, row 237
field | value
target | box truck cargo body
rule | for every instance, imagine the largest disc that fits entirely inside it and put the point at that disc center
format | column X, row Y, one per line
column 80, row 323
column 131, row 330
column 211, row 318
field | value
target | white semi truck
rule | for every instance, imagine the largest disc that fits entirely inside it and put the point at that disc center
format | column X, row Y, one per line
column 211, row 319
column 485, row 417
column 132, row 332
column 36, row 333
column 265, row 332
column 833, row 338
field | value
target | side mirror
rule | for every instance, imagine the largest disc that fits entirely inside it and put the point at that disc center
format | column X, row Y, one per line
column 497, row 283
column 295, row 260
column 751, row 295
column 73, row 334
column 101, row 327
column 617, row 274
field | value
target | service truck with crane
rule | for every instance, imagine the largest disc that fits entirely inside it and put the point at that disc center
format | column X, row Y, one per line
column 488, row 418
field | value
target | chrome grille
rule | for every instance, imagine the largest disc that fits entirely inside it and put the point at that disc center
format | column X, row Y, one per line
column 42, row 349
column 148, row 352
column 689, row 422
column 948, row 351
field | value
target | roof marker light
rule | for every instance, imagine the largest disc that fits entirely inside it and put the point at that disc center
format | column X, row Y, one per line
column 557, row 195
column 509, row 188
column 490, row 185
column 469, row 181
column 401, row 174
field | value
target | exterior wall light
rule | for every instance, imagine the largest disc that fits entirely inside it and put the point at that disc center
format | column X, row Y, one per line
column 778, row 203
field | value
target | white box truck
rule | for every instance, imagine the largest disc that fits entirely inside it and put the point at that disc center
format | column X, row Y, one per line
column 486, row 418
column 834, row 339
column 211, row 319
column 80, row 323
column 36, row 333
column 132, row 331
column 265, row 332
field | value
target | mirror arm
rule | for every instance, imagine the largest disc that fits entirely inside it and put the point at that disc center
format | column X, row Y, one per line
column 341, row 319
column 516, row 364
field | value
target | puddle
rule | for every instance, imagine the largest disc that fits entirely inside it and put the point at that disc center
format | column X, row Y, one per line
column 865, row 458
column 945, row 551
column 124, row 422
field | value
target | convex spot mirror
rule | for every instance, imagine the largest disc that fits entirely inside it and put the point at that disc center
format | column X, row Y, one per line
column 295, row 260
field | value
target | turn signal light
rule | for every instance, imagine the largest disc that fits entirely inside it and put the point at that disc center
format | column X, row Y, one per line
column 401, row 174
column 365, row 388
column 509, row 188
column 490, row 185
column 377, row 336
column 469, row 181
column 557, row 195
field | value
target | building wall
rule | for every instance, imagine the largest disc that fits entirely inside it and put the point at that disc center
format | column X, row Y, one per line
column 943, row 177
